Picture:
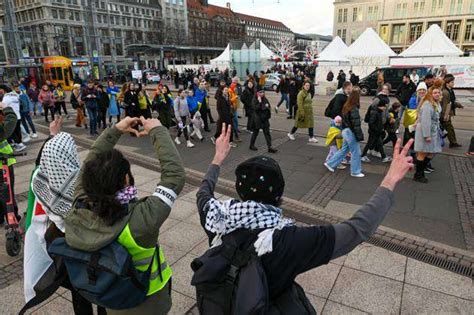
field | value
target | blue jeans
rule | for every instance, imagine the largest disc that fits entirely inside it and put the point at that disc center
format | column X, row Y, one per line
column 350, row 144
column 235, row 123
column 26, row 120
column 92, row 120
column 36, row 106
column 284, row 98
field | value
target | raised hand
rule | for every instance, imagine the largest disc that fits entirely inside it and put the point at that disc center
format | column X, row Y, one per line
column 126, row 125
column 148, row 125
column 56, row 125
column 401, row 164
column 222, row 145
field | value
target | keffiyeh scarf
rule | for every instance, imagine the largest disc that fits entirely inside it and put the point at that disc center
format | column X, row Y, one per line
column 126, row 195
column 225, row 218
column 55, row 182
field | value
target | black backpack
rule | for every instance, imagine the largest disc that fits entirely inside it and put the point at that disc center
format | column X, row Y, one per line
column 230, row 279
column 367, row 115
column 330, row 108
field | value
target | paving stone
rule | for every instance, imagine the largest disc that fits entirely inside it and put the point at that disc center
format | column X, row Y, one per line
column 183, row 236
column 181, row 303
column 418, row 300
column 172, row 254
column 57, row 306
column 337, row 308
column 182, row 275
column 376, row 260
column 183, row 209
column 317, row 302
column 319, row 281
column 438, row 279
column 367, row 292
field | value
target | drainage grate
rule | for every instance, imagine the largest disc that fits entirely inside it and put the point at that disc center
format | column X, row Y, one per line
column 423, row 257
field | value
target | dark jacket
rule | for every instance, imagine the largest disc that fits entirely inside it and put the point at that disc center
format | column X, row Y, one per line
column 224, row 109
column 283, row 87
column 404, row 92
column 131, row 102
column 341, row 78
column 89, row 97
column 247, row 99
column 339, row 100
column 263, row 113
column 330, row 76
column 103, row 101
column 293, row 93
column 9, row 123
column 376, row 121
column 351, row 120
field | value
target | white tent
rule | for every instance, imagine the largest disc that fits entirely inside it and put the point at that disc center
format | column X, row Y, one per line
column 369, row 44
column 265, row 52
column 223, row 61
column 433, row 43
column 335, row 51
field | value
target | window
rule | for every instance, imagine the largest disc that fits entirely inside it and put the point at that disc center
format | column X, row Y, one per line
column 398, row 34
column 469, row 34
column 372, row 13
column 54, row 13
column 384, row 33
column 459, row 11
column 344, row 18
column 415, row 31
column 354, row 14
column 452, row 30
column 343, row 35
column 398, row 10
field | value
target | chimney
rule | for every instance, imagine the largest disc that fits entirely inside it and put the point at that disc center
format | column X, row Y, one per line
column 228, row 6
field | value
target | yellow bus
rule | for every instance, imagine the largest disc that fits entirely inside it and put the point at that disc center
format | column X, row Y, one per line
column 59, row 70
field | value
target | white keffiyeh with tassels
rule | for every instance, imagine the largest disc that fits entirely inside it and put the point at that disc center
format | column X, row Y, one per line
column 223, row 218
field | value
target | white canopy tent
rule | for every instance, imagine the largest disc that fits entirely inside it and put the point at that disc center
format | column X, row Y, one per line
column 223, row 61
column 433, row 43
column 334, row 52
column 368, row 52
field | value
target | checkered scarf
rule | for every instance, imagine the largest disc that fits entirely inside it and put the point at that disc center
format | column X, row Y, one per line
column 231, row 215
column 55, row 182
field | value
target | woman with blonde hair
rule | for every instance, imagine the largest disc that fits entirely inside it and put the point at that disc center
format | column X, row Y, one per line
column 427, row 133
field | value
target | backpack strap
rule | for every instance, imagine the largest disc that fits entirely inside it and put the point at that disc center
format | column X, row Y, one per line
column 92, row 268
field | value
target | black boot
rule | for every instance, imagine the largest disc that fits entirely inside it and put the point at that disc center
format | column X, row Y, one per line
column 420, row 172
column 253, row 147
column 428, row 167
column 272, row 150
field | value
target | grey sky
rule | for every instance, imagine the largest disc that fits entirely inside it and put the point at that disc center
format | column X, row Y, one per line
column 302, row 16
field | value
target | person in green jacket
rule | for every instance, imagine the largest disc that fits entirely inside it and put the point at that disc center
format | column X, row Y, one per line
column 106, row 207
column 304, row 114
column 8, row 122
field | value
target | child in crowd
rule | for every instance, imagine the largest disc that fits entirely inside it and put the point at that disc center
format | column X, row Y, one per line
column 334, row 137
column 393, row 123
column 198, row 125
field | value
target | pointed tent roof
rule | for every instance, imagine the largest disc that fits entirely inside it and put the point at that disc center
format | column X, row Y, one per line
column 335, row 51
column 433, row 42
column 369, row 44
column 224, row 57
column 265, row 52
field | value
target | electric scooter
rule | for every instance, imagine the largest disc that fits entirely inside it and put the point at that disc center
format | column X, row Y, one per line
column 14, row 233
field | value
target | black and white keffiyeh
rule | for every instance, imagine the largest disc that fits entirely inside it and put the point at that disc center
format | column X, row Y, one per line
column 223, row 218
column 55, row 182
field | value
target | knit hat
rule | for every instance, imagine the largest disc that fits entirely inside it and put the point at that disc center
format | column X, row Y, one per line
column 260, row 179
column 422, row 86
column 338, row 119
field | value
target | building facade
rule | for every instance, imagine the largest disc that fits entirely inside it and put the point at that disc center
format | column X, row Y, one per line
column 319, row 42
column 268, row 31
column 401, row 22
column 175, row 21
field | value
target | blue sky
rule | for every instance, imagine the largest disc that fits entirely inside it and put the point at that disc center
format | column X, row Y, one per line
column 302, row 16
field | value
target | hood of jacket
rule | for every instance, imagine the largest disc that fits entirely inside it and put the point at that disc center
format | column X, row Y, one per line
column 340, row 92
column 86, row 231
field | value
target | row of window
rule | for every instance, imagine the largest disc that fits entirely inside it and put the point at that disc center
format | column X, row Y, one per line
column 358, row 14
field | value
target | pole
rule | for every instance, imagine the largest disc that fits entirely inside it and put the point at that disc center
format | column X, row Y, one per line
column 11, row 31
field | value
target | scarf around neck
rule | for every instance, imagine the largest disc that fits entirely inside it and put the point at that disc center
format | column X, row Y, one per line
column 126, row 195
column 231, row 215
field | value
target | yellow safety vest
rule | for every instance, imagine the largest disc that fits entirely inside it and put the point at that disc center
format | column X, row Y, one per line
column 142, row 258
column 6, row 149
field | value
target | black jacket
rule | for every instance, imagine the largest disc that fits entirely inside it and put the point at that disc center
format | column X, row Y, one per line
column 376, row 123
column 263, row 113
column 351, row 120
column 247, row 99
column 339, row 101
column 293, row 92
column 131, row 102
column 405, row 92
column 283, row 87
column 224, row 109
column 103, row 101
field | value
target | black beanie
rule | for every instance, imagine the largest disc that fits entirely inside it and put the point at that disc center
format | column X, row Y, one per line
column 260, row 179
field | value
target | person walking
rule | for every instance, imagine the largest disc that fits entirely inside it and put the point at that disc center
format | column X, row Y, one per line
column 60, row 100
column 247, row 99
column 107, row 208
column 262, row 114
column 427, row 133
column 337, row 102
column 254, row 223
column 234, row 101
column 352, row 135
column 393, row 124
column 12, row 100
column 201, row 96
column 33, row 94
column 89, row 97
column 405, row 92
column 102, row 106
column 114, row 108
column 341, row 78
column 46, row 98
column 224, row 110
column 130, row 100
column 449, row 106
column 284, row 89
column 293, row 91
column 414, row 77
column 78, row 105
column 304, row 114
column 181, row 112
column 163, row 103
column 25, row 113
column 380, row 80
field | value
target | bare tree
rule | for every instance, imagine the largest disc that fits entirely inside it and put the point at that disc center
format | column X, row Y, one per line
column 283, row 48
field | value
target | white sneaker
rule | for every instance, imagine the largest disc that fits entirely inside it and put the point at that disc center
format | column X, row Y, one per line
column 370, row 152
column 291, row 136
column 190, row 144
column 341, row 167
column 193, row 134
column 20, row 147
column 365, row 159
column 313, row 140
column 233, row 145
column 26, row 139
column 276, row 109
column 387, row 159
column 377, row 154
column 329, row 167
column 360, row 175
column 177, row 141
column 213, row 140
column 34, row 136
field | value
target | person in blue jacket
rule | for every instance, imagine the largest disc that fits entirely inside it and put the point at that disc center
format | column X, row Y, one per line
column 114, row 109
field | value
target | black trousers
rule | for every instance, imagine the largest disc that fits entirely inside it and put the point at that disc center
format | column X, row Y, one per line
column 374, row 143
column 250, row 122
column 102, row 119
column 58, row 106
column 49, row 109
column 219, row 128
column 16, row 135
column 204, row 114
column 391, row 137
column 185, row 129
column 293, row 108
column 266, row 133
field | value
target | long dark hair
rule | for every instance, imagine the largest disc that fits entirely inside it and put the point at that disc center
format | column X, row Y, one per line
column 352, row 101
column 102, row 178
